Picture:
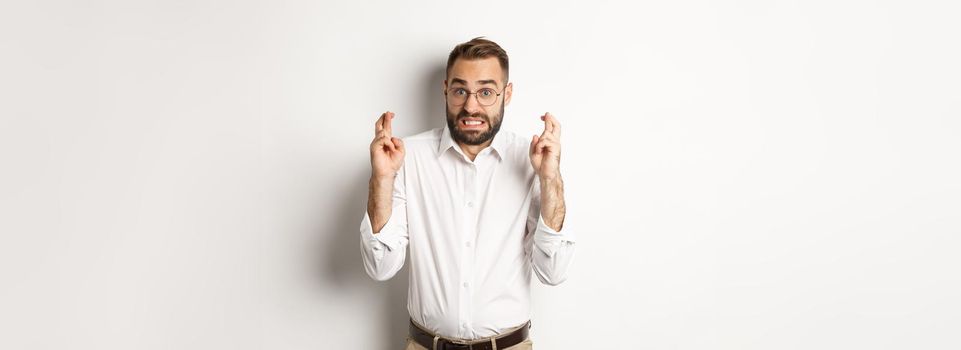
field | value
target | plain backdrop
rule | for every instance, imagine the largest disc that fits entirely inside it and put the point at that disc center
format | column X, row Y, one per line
column 740, row 174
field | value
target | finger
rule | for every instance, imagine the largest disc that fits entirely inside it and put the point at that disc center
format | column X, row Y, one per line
column 546, row 131
column 380, row 145
column 398, row 143
column 534, row 144
column 550, row 139
column 389, row 144
column 379, row 125
column 387, row 124
column 555, row 125
column 547, row 137
column 546, row 146
column 548, row 124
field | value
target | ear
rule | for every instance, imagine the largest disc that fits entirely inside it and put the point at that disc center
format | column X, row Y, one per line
column 445, row 87
column 508, row 92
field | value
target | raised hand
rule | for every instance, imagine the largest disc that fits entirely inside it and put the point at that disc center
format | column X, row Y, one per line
column 386, row 151
column 546, row 149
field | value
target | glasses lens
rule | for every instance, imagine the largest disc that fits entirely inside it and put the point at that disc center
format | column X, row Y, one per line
column 456, row 97
column 486, row 96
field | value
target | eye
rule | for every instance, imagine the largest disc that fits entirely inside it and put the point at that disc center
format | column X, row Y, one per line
column 460, row 92
column 487, row 92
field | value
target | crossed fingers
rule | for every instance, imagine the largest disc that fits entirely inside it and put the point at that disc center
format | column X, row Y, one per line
column 552, row 127
column 382, row 130
column 383, row 127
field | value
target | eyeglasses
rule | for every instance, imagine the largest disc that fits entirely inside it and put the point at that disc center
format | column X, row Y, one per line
column 458, row 96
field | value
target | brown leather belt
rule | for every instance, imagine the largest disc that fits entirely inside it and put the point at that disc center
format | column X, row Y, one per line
column 425, row 339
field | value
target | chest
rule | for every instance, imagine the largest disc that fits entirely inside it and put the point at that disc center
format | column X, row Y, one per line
column 451, row 193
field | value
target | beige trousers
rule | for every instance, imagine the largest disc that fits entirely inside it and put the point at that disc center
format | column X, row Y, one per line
column 524, row 345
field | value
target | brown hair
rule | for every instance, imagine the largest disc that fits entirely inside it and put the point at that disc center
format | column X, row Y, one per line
column 478, row 48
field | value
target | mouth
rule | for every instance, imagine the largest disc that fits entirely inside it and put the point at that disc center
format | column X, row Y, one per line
column 472, row 124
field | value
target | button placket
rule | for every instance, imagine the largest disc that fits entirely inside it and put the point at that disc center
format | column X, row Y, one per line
column 468, row 233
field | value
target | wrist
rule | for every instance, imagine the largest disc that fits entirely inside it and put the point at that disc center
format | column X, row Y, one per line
column 553, row 177
column 382, row 179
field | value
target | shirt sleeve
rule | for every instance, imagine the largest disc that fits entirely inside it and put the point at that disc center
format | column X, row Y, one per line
column 553, row 250
column 384, row 252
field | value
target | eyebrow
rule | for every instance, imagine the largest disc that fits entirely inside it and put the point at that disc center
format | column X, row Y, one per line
column 479, row 82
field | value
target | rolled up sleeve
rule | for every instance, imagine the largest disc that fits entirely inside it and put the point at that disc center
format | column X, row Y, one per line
column 553, row 250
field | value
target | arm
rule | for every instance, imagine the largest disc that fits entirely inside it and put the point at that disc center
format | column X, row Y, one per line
column 379, row 200
column 552, row 202
column 383, row 231
column 554, row 249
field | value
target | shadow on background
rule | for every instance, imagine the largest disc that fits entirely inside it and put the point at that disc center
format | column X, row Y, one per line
column 343, row 264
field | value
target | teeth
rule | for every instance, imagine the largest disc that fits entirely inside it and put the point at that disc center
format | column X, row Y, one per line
column 473, row 122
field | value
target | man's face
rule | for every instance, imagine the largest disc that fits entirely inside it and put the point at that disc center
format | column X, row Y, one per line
column 472, row 76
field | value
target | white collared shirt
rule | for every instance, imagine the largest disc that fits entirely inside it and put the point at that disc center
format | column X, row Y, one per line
column 475, row 234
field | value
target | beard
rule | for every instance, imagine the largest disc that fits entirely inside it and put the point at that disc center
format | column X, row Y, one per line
column 474, row 138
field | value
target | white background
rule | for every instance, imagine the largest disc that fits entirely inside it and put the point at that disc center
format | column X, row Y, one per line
column 741, row 175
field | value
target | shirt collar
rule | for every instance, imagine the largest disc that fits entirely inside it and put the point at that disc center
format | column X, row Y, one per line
column 499, row 143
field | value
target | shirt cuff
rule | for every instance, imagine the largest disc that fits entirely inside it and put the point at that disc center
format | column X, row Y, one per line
column 547, row 234
column 388, row 236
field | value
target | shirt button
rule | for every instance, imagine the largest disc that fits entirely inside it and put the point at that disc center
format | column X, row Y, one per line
column 470, row 204
column 467, row 244
column 466, row 284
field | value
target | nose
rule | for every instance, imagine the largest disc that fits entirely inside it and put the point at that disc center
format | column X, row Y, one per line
column 472, row 105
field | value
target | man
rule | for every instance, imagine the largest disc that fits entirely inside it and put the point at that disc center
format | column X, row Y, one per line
column 479, row 208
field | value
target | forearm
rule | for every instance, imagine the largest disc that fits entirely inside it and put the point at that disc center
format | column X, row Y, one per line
column 553, row 208
column 380, row 201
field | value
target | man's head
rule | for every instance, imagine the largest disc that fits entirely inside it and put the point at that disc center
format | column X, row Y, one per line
column 476, row 89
